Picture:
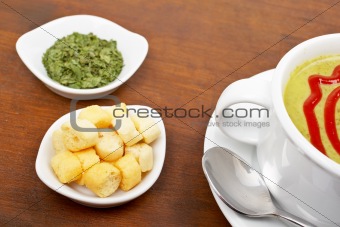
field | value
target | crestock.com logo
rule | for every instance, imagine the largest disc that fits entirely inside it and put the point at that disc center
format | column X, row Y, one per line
column 244, row 117
column 232, row 117
column 119, row 113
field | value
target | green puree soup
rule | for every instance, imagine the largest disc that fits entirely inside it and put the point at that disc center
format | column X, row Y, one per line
column 314, row 119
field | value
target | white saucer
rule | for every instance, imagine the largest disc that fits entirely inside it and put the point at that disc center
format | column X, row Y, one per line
column 214, row 137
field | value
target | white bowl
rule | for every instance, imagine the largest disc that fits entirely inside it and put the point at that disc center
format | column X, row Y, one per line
column 81, row 194
column 32, row 45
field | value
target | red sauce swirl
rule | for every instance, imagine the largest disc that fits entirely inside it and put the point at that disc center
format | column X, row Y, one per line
column 329, row 111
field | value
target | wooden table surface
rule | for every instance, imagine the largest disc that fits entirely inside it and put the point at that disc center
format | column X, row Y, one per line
column 196, row 49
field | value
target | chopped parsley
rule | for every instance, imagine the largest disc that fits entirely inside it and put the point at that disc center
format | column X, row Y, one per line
column 83, row 61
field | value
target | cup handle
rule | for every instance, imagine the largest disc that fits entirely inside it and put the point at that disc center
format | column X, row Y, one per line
column 252, row 90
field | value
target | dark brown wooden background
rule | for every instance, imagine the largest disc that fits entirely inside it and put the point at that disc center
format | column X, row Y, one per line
column 197, row 48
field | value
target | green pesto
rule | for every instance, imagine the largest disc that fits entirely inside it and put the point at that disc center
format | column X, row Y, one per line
column 83, row 61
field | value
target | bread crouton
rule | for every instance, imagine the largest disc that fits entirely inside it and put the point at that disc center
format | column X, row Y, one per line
column 87, row 158
column 66, row 166
column 143, row 154
column 147, row 127
column 128, row 132
column 110, row 147
column 96, row 115
column 77, row 140
column 130, row 170
column 57, row 141
column 103, row 179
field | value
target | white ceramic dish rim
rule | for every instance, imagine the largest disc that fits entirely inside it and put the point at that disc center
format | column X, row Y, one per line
column 248, row 153
column 292, row 132
column 65, row 190
column 49, row 82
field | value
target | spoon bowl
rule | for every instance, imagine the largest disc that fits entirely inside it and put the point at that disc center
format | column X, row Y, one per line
column 240, row 186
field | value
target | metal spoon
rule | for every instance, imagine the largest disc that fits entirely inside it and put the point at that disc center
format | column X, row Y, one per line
column 240, row 186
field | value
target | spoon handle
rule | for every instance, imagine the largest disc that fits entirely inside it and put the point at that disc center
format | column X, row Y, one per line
column 294, row 219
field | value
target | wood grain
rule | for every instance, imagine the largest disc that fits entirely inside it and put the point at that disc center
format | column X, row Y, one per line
column 197, row 48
